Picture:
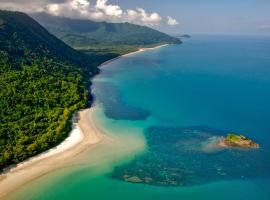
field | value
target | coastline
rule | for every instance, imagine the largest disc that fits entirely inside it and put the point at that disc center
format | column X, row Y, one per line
column 132, row 53
column 76, row 135
column 84, row 135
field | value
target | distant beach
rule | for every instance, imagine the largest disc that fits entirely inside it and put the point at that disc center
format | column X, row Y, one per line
column 145, row 49
column 131, row 53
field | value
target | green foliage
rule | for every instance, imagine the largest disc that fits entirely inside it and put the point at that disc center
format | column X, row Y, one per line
column 42, row 82
column 234, row 137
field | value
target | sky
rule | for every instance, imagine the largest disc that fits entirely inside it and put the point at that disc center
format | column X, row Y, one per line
column 249, row 17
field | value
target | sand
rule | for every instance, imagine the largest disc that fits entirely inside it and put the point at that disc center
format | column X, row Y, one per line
column 135, row 52
column 84, row 135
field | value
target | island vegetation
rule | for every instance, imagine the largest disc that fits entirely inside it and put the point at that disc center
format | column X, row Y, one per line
column 234, row 140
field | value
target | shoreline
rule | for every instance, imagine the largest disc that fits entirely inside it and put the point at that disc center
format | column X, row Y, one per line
column 84, row 135
column 74, row 137
column 131, row 53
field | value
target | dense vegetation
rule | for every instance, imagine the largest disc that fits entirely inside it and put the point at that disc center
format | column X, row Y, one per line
column 99, row 36
column 42, row 82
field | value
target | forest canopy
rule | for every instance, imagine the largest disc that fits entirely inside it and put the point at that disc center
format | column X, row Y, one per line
column 42, row 82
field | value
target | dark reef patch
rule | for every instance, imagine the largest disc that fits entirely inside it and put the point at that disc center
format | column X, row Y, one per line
column 176, row 157
column 115, row 108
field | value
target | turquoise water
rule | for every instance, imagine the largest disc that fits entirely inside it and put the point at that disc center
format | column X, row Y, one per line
column 165, row 106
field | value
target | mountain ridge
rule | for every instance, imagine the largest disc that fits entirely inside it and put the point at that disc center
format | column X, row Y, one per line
column 83, row 33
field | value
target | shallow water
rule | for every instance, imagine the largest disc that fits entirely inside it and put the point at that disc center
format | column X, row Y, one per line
column 164, row 108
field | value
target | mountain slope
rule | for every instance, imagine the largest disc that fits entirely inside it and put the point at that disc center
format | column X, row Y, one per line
column 26, row 37
column 84, row 34
column 42, row 82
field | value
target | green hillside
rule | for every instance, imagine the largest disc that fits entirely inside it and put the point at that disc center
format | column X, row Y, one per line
column 42, row 82
column 113, row 37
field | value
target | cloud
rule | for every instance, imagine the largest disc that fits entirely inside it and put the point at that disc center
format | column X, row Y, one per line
column 114, row 13
column 71, row 8
column 171, row 21
column 17, row 5
column 99, row 10
column 109, row 10
column 140, row 16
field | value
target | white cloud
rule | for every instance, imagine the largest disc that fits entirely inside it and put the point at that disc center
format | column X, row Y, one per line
column 102, row 10
column 109, row 10
column 81, row 5
column 114, row 13
column 149, row 18
column 171, row 21
column 53, row 8
column 70, row 8
column 140, row 16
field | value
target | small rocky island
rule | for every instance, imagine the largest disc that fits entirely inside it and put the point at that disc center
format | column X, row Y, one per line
column 234, row 140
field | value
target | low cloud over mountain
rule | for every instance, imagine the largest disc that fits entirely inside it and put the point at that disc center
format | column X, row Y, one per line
column 99, row 10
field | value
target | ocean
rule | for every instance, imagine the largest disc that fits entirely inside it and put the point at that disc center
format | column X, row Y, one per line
column 163, row 109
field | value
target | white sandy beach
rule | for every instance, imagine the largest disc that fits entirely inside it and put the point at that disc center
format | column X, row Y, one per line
column 84, row 135
column 145, row 49
column 132, row 53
